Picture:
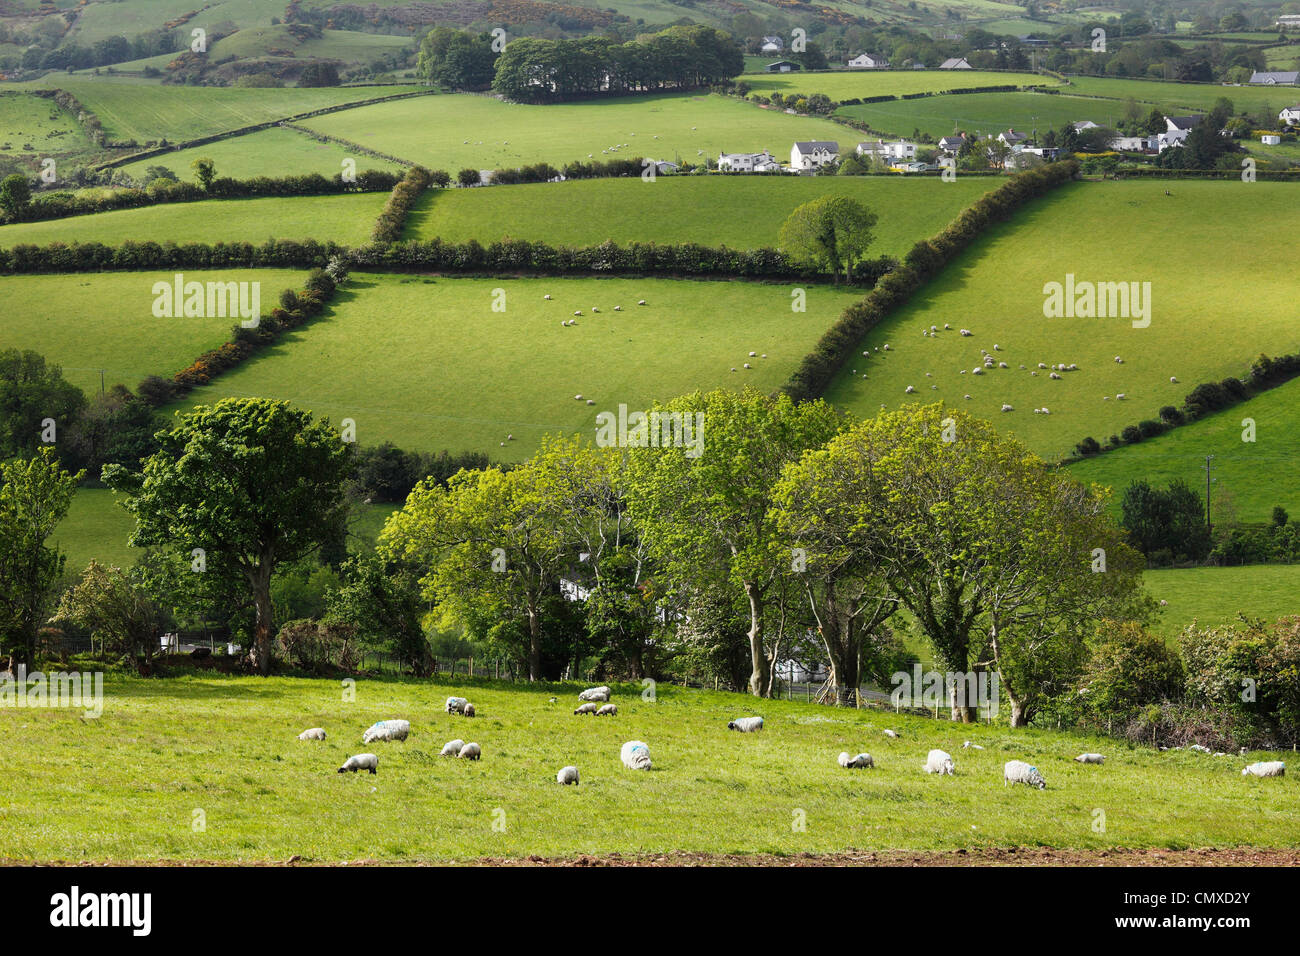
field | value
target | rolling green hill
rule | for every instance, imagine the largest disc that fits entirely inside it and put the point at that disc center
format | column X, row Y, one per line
column 984, row 113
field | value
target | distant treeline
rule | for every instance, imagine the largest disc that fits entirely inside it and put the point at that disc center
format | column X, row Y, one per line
column 537, row 70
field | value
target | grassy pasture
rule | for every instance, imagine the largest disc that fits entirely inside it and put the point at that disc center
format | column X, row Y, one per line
column 144, row 111
column 1217, row 595
column 846, row 84
column 34, row 126
column 1197, row 248
column 269, row 152
column 1254, row 475
column 346, row 218
column 984, row 113
column 1175, row 97
column 94, row 321
column 742, row 212
column 456, row 131
column 163, row 749
column 426, row 363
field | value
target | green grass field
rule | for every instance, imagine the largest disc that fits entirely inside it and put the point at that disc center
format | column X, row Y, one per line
column 426, row 363
column 1256, row 475
column 456, row 131
column 742, row 212
column 1176, row 97
column 90, row 322
column 1219, row 298
column 143, row 111
column 98, row 20
column 34, row 126
column 223, row 750
column 346, row 219
column 270, row 152
column 984, row 113
column 847, row 84
column 1217, row 595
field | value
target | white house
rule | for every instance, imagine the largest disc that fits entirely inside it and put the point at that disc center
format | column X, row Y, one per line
column 814, row 154
column 951, row 144
column 955, row 63
column 1081, row 125
column 1012, row 138
column 1275, row 78
column 1173, row 138
column 772, row 45
column 1288, row 21
column 1270, row 139
column 865, row 61
column 747, row 162
column 1291, row 115
column 1133, row 143
column 897, row 150
column 1180, row 124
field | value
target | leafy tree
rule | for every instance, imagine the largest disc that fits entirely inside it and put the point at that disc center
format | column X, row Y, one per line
column 112, row 604
column 709, row 514
column 456, row 59
column 15, row 193
column 380, row 603
column 1172, row 519
column 1128, row 669
column 255, row 482
column 832, row 232
column 319, row 74
column 469, row 177
column 205, row 171
column 30, row 392
column 35, row 495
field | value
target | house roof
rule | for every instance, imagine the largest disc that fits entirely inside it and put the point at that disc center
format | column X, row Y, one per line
column 1012, row 136
column 1281, row 79
column 1183, row 122
column 953, row 63
column 816, row 144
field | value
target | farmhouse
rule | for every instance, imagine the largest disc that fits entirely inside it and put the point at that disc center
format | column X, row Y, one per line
column 772, row 45
column 1290, row 115
column 1275, row 79
column 763, row 162
column 1133, row 143
column 814, row 154
column 951, row 144
column 1173, row 138
column 782, row 66
column 955, row 63
column 865, row 61
column 1180, row 124
column 1012, row 138
column 1288, row 21
column 897, row 150
column 1081, row 125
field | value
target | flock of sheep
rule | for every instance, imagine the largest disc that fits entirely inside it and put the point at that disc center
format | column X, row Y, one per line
column 635, row 754
column 989, row 362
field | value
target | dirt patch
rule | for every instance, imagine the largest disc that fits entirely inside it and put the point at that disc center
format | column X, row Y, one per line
column 1003, row 856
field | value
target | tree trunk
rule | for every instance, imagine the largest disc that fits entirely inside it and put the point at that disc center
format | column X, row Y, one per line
column 261, row 581
column 758, row 678
column 534, row 643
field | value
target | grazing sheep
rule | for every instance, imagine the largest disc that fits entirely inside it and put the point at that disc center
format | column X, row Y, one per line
column 1199, row 749
column 1055, row 375
column 752, row 354
column 456, row 704
column 746, row 725
column 609, row 710
column 1042, row 365
column 886, row 346
column 947, row 326
column 595, row 693
column 909, row 390
column 890, row 733
column 968, row 398
column 579, row 312
column 996, row 347
column 1017, row 771
column 635, row 755
column 1164, row 603
column 567, row 775
column 966, row 332
column 1090, row 758
column 387, row 730
column 470, row 752
column 594, row 309
column 547, row 298
column 554, row 700
column 360, row 762
column 578, row 397
column 585, row 709
column 1174, row 379
column 977, row 370
column 939, row 762
column 1007, row 408
column 316, row 733
column 970, row 746
column 451, row 748
column 861, row 761
column 747, row 365
column 1118, row 360
column 642, row 302
column 1121, row 397
column 618, row 308
column 1003, row 365
column 1268, row 768
column 469, row 710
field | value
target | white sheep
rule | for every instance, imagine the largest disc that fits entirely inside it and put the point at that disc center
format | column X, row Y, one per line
column 595, row 693
column 1055, row 375
column 470, row 752
column 635, row 755
column 456, row 705
column 967, row 745
column 977, row 370
column 594, row 309
column 618, row 308
column 451, row 748
column 996, row 347
column 642, row 302
column 587, row 708
column 360, row 762
column 1090, row 758
column 939, row 762
column 1118, row 360
column 609, row 710
column 1268, row 768
column 861, row 761
column 1042, row 365
column 567, row 775
column 547, row 297
column 316, row 733
column 1173, row 379
column 469, row 710
column 1198, row 748
column 752, row 354
column 890, row 733
column 1007, row 408
column 1046, row 411
column 909, row 390
column 1017, row 771
column 1003, row 365
column 387, row 730
column 968, row 398
column 885, row 347
column 1120, row 397
column 579, row 312
column 746, row 725
column 747, row 365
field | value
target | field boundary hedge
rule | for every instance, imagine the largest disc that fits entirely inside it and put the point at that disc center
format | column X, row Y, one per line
column 1156, row 172
column 59, row 257
column 925, row 260
column 255, row 128
column 392, row 218
column 340, row 141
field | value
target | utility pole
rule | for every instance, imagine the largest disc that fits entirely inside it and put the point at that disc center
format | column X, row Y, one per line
column 1208, row 459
